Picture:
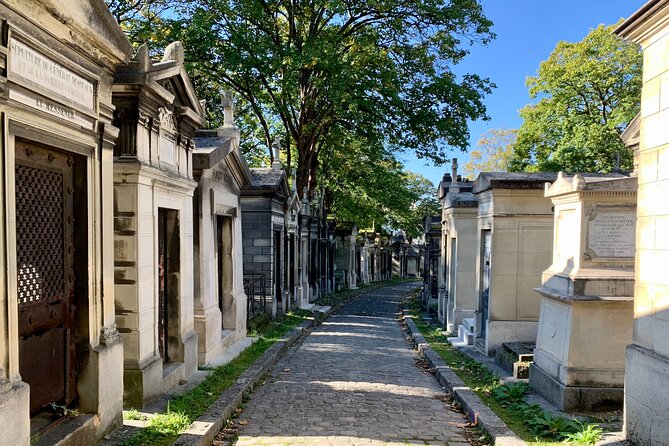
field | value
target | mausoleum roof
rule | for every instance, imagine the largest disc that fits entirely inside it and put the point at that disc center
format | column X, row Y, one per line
column 512, row 180
column 591, row 182
column 269, row 180
column 462, row 199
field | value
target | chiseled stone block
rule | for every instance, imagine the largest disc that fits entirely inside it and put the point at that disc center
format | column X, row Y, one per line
column 646, row 397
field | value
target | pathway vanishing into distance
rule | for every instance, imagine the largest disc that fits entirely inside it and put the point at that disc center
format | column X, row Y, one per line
column 352, row 381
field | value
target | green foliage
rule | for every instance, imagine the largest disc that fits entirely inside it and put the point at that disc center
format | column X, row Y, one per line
column 163, row 429
column 378, row 72
column 588, row 92
column 134, row 414
column 493, row 153
column 64, row 411
column 529, row 421
column 510, row 393
column 169, row 423
column 586, row 436
column 551, row 426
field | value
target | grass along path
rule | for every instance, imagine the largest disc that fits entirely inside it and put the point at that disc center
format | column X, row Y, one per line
column 529, row 422
column 163, row 428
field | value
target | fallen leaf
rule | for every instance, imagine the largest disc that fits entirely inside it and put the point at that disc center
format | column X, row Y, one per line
column 243, row 422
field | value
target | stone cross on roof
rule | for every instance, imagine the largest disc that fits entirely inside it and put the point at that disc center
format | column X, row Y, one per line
column 228, row 103
column 454, row 189
column 276, row 148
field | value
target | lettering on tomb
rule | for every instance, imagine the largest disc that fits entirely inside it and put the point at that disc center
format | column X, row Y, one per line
column 611, row 233
column 222, row 176
column 53, row 108
column 41, row 73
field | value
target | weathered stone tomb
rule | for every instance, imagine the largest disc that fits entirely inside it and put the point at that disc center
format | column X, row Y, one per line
column 647, row 360
column 220, row 302
column 263, row 233
column 458, row 300
column 586, row 305
column 158, row 112
column 515, row 228
column 58, row 338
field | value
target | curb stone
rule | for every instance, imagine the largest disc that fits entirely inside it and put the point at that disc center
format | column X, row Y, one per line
column 471, row 403
column 203, row 430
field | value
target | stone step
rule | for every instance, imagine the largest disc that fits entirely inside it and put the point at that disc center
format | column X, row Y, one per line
column 465, row 336
column 514, row 357
column 469, row 322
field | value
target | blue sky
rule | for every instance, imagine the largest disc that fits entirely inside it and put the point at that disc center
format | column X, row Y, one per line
column 527, row 32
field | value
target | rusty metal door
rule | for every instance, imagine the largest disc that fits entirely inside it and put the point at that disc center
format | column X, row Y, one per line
column 163, row 285
column 44, row 257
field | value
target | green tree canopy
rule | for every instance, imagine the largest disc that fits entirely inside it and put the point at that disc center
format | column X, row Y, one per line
column 366, row 184
column 493, row 153
column 380, row 70
column 588, row 91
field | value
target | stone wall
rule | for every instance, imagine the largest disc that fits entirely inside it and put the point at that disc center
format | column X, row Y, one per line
column 647, row 364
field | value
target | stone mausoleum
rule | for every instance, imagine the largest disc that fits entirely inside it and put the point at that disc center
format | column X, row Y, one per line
column 647, row 359
column 515, row 231
column 58, row 337
column 220, row 302
column 264, row 204
column 157, row 112
column 457, row 299
column 586, row 294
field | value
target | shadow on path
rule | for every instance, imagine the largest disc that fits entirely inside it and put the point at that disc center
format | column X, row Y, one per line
column 352, row 381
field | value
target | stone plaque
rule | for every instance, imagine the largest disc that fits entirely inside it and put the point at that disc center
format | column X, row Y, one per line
column 612, row 233
column 47, row 75
column 53, row 108
column 567, row 235
column 166, row 150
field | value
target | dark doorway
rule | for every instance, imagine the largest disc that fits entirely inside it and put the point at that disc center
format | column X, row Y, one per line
column 277, row 266
column 168, row 282
column 485, row 280
column 225, row 271
column 291, row 267
column 45, row 265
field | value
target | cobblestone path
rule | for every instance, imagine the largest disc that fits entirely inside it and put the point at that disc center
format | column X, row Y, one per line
column 352, row 381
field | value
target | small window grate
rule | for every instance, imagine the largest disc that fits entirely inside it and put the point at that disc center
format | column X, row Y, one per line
column 39, row 234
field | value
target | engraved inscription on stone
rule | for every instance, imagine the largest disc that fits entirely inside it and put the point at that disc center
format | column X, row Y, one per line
column 50, row 76
column 223, row 177
column 612, row 234
column 33, row 100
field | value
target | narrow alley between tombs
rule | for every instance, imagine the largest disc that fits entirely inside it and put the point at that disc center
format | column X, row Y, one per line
column 352, row 381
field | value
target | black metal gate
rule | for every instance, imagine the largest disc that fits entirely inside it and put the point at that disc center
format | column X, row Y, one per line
column 220, row 253
column 277, row 267
column 44, row 257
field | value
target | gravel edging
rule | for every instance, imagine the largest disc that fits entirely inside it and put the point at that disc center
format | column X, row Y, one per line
column 476, row 411
column 203, row 430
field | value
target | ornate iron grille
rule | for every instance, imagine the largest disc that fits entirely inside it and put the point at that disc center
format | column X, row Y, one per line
column 40, row 238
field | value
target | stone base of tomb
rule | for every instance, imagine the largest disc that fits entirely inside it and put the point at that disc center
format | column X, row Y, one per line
column 646, row 397
column 579, row 360
column 145, row 381
column 15, row 412
column 499, row 332
column 574, row 398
